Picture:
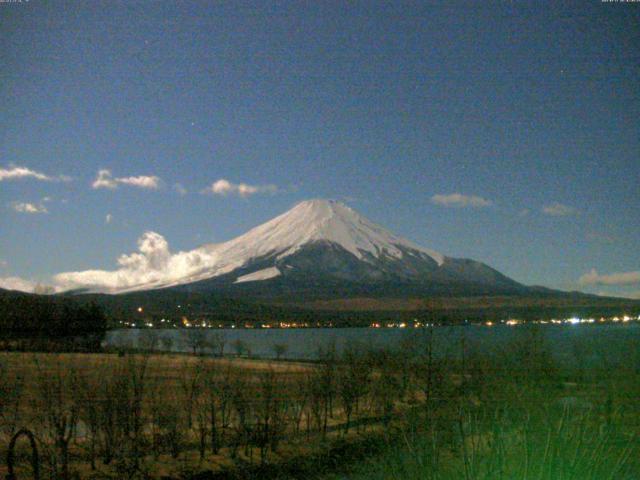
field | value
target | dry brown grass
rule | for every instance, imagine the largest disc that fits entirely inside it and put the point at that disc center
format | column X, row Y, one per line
column 165, row 378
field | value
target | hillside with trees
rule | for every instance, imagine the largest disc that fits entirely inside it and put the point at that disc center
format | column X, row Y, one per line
column 50, row 322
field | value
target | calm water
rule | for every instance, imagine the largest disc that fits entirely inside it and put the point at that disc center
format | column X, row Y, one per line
column 609, row 343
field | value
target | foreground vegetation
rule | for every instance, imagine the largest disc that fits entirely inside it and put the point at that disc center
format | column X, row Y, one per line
column 409, row 413
column 517, row 416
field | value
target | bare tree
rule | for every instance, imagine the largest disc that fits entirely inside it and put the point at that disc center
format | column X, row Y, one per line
column 280, row 349
column 114, row 411
column 56, row 388
column 353, row 381
column 135, row 377
column 239, row 346
column 428, row 372
column 202, row 422
column 386, row 384
column 216, row 402
column 243, row 407
column 196, row 339
column 317, row 400
column 166, row 342
column 190, row 385
column 170, row 425
column 89, row 409
column 218, row 342
column 298, row 401
column 326, row 383
column 402, row 359
column 157, row 400
column 11, row 395
column 270, row 412
column 113, row 393
column 148, row 340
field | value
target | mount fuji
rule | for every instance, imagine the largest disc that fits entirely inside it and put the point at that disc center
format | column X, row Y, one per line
column 324, row 249
column 319, row 260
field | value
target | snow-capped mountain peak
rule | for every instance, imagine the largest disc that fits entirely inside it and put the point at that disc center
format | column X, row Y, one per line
column 325, row 220
column 307, row 225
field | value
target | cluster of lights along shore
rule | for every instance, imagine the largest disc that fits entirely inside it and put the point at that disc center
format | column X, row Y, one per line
column 185, row 322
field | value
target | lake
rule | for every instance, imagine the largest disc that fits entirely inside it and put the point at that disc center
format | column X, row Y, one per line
column 610, row 343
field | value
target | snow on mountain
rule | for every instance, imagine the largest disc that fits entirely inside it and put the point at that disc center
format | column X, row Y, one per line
column 307, row 222
column 317, row 220
column 263, row 274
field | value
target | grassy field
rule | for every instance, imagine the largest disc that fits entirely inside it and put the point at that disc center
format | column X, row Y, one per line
column 141, row 416
column 506, row 414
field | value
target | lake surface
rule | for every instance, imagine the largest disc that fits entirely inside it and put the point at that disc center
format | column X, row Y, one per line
column 610, row 343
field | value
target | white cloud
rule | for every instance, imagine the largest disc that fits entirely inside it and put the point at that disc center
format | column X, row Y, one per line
column 179, row 188
column 17, row 283
column 14, row 172
column 26, row 207
column 558, row 210
column 459, row 200
column 153, row 263
column 141, row 181
column 23, row 285
column 619, row 278
column 106, row 180
column 108, row 218
column 222, row 187
column 3, row 263
column 225, row 187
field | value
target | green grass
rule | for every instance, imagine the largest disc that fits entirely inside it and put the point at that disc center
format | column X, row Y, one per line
column 517, row 416
column 563, row 445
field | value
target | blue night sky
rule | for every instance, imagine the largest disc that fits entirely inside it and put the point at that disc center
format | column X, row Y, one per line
column 505, row 133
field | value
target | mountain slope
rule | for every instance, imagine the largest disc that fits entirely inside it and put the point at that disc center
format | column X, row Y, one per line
column 308, row 223
column 325, row 249
column 319, row 249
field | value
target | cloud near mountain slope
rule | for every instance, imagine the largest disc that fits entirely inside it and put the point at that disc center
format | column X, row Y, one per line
column 153, row 263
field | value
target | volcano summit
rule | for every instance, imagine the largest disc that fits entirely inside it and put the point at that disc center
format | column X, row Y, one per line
column 319, row 247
